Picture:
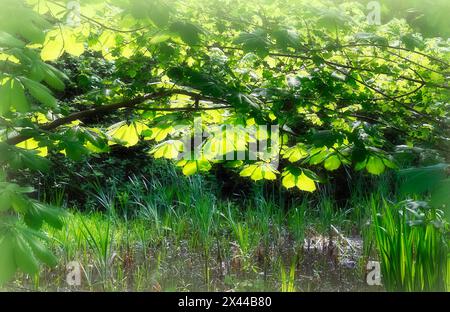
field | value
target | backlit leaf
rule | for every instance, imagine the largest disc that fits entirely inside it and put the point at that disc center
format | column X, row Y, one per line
column 169, row 149
column 333, row 162
column 375, row 165
column 40, row 92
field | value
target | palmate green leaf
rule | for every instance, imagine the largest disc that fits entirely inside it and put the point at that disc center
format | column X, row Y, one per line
column 53, row 77
column 32, row 144
column 169, row 149
column 75, row 150
column 9, row 41
column 73, row 141
column 8, row 266
column 293, row 176
column 52, row 50
column 361, row 165
column 24, row 257
column 205, row 83
column 19, row 158
column 95, row 140
column 256, row 41
column 20, row 203
column 40, row 92
column 225, row 141
column 286, row 37
column 12, row 95
column 16, row 188
column 296, row 152
column 332, row 162
column 188, row 32
column 64, row 39
column 259, row 170
column 58, row 73
column 37, row 72
column 52, row 216
column 19, row 101
column 39, row 213
column 191, row 167
column 32, row 33
column 157, row 11
column 19, row 19
column 128, row 134
column 375, row 165
column 12, row 196
column 158, row 133
column 41, row 252
column 318, row 155
column 30, row 25
column 5, row 201
column 22, row 249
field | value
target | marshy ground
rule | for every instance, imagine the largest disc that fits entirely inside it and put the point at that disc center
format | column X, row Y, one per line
column 164, row 232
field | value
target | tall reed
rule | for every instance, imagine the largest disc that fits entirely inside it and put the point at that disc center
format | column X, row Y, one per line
column 411, row 241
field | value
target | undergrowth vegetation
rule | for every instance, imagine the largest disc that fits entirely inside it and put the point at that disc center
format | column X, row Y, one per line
column 161, row 231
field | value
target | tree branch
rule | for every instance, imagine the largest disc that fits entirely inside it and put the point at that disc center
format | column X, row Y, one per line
column 129, row 103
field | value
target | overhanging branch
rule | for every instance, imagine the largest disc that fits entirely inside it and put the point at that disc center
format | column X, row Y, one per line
column 128, row 103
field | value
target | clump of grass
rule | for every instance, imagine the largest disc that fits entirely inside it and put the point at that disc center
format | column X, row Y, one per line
column 411, row 240
column 242, row 234
column 288, row 278
column 100, row 242
column 203, row 221
column 297, row 222
column 162, row 231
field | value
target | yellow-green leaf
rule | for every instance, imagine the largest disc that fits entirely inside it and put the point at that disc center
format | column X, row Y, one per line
column 259, row 170
column 305, row 183
column 193, row 166
column 12, row 95
column 72, row 45
column 52, row 49
column 169, row 149
column 32, row 144
column 128, row 134
column 295, row 153
column 375, row 165
column 333, row 162
column 293, row 176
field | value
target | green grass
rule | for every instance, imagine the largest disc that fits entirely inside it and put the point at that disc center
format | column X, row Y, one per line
column 182, row 247
column 411, row 240
column 288, row 278
column 163, row 232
